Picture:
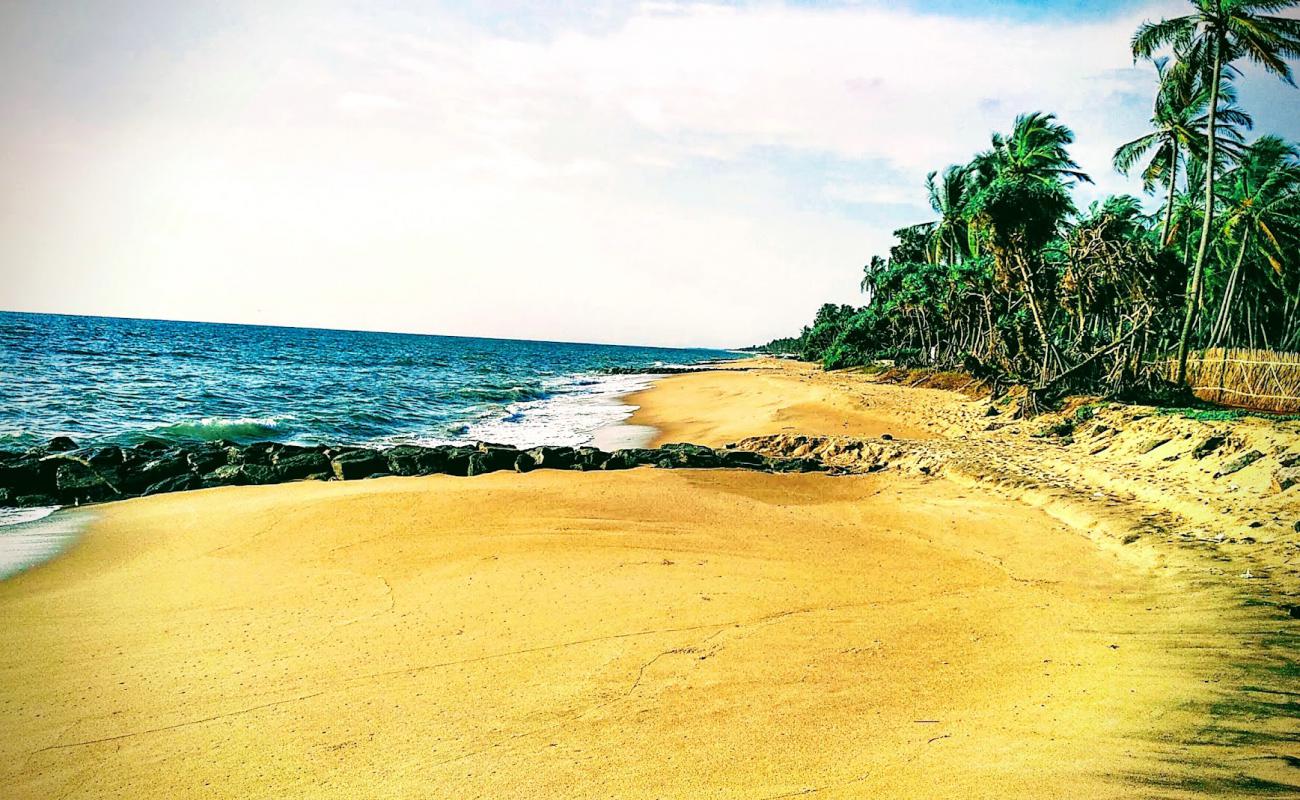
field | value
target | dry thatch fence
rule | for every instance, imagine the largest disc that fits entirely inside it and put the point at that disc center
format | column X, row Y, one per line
column 1258, row 379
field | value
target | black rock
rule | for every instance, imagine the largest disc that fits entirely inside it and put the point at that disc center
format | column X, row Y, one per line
column 30, row 500
column 78, row 482
column 177, row 483
column 741, row 459
column 1209, row 445
column 207, row 458
column 300, row 465
column 524, row 462
column 491, row 458
column 797, row 465
column 589, row 458
column 27, row 476
column 60, row 444
column 149, row 446
column 682, row 455
column 406, row 459
column 548, row 457
column 358, row 463
column 240, row 475
column 630, row 457
column 165, row 465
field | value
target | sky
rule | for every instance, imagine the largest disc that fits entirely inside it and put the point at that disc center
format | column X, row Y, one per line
column 643, row 173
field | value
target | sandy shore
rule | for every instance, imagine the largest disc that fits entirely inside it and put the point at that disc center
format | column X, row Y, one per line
column 639, row 634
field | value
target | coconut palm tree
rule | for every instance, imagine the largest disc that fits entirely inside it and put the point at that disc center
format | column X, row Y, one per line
column 1179, row 121
column 1019, row 200
column 1261, row 215
column 1216, row 34
column 949, row 197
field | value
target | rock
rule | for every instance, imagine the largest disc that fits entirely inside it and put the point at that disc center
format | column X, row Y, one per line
column 5, row 497
column 742, row 459
column 553, row 457
column 27, row 476
column 458, row 459
column 359, row 463
column 1152, row 444
column 30, row 500
column 165, row 465
column 1289, row 460
column 589, row 458
column 887, row 437
column 691, row 456
column 992, row 411
column 797, row 465
column 78, row 482
column 150, row 446
column 177, row 483
column 1239, row 463
column 524, row 462
column 492, row 458
column 630, row 457
column 60, row 444
column 409, row 459
column 1208, row 445
column 239, row 475
column 1285, row 478
column 207, row 459
column 1296, row 526
column 301, row 465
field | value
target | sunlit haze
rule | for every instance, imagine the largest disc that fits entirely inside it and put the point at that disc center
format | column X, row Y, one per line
column 647, row 173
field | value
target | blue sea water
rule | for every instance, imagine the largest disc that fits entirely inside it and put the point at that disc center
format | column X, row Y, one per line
column 102, row 380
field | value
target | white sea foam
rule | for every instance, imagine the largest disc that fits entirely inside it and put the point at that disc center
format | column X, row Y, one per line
column 578, row 407
column 32, row 536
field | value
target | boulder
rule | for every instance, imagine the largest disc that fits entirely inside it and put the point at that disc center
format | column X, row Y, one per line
column 301, row 465
column 81, row 483
column 589, row 458
column 691, row 456
column 491, row 458
column 165, row 465
column 797, row 465
column 524, row 462
column 178, row 483
column 742, row 459
column 240, row 475
column 60, row 444
column 1209, row 445
column 27, row 476
column 207, row 458
column 630, row 457
column 408, row 459
column 359, row 463
column 458, row 459
column 1285, row 478
column 1239, row 463
column 548, row 457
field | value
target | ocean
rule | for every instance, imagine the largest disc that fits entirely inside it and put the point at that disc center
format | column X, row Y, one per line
column 107, row 380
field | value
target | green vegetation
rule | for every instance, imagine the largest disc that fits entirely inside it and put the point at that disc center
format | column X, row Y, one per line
column 1013, row 281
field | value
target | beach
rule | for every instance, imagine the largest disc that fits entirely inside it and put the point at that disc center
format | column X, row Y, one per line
column 663, row 633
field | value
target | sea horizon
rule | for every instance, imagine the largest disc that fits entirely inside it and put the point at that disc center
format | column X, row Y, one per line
column 121, row 380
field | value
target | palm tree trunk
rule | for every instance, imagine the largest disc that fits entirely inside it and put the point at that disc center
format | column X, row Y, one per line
column 1225, row 314
column 1198, row 270
column 1173, row 189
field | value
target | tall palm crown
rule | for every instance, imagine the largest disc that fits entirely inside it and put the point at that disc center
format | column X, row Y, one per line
column 1179, row 122
column 1262, row 200
column 1036, row 150
column 949, row 198
column 1210, row 39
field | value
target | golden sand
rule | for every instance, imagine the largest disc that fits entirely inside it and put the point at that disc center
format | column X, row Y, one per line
column 639, row 634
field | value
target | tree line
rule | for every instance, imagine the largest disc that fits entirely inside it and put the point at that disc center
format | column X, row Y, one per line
column 1011, row 278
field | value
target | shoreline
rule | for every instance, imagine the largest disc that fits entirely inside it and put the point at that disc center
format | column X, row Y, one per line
column 878, row 633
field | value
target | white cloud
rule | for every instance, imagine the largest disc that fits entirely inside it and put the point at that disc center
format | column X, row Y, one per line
column 681, row 175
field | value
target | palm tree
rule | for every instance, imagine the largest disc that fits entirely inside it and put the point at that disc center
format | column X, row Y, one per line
column 1261, row 214
column 1210, row 39
column 1019, row 200
column 948, row 198
column 1179, row 121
